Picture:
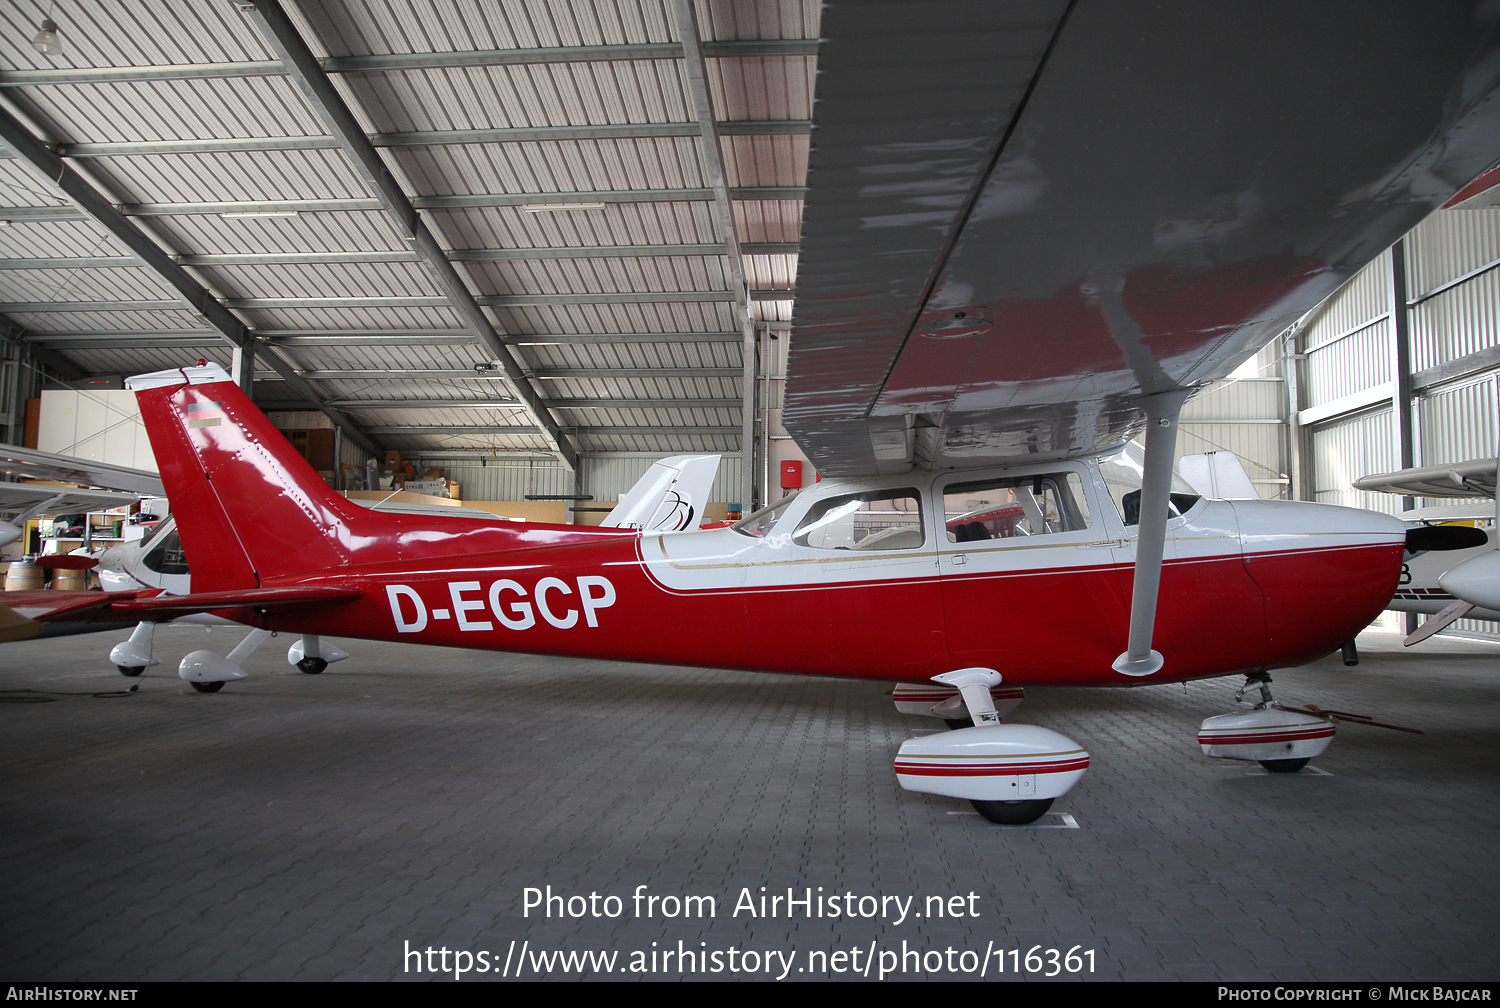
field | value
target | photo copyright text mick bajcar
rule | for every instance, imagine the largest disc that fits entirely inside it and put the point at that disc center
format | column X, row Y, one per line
column 878, row 960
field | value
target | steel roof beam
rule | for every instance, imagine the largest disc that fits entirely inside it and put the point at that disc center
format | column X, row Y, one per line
column 546, row 339
column 410, row 61
column 79, row 262
column 551, row 374
column 432, row 138
column 454, row 255
column 455, row 202
column 147, row 341
column 436, row 301
column 25, row 307
column 194, row 297
column 685, row 19
column 614, row 251
column 582, row 429
column 379, row 404
column 116, row 339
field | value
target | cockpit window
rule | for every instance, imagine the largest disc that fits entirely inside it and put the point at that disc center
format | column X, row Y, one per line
column 166, row 556
column 1011, row 506
column 759, row 524
column 873, row 520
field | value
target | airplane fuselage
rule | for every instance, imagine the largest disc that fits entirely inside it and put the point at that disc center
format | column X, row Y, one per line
column 1247, row 585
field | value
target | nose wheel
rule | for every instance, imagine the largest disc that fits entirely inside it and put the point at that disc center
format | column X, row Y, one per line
column 1281, row 739
column 1012, row 813
column 1282, row 765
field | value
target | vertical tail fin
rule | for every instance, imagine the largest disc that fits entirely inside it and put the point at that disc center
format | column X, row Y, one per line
column 248, row 506
column 670, row 497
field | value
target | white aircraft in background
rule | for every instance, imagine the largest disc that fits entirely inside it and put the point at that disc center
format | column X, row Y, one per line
column 1447, row 586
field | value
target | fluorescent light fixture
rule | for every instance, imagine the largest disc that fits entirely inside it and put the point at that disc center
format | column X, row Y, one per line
column 244, row 214
column 4, row 223
column 46, row 41
column 557, row 207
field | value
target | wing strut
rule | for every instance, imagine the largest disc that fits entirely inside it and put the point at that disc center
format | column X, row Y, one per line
column 1162, row 411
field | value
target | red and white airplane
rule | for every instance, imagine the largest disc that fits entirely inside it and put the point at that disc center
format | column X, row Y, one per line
column 1032, row 231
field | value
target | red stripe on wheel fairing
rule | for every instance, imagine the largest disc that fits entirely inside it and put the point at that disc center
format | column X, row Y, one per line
column 994, row 770
column 1314, row 733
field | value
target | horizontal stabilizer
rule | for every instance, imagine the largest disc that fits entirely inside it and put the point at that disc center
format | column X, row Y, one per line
column 14, row 626
column 66, row 561
column 165, row 607
column 51, row 606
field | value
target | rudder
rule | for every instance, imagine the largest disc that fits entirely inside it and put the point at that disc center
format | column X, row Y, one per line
column 248, row 506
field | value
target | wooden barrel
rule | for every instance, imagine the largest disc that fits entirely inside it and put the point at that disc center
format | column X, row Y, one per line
column 23, row 576
column 70, row 580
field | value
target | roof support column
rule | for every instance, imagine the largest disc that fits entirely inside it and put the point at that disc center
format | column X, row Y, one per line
column 1401, row 391
column 686, row 21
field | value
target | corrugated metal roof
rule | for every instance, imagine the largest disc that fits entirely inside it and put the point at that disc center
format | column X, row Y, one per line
column 210, row 234
column 232, row 105
column 81, row 285
column 552, row 166
column 212, row 177
column 131, row 33
column 553, row 94
column 615, row 224
column 176, row 110
column 393, row 26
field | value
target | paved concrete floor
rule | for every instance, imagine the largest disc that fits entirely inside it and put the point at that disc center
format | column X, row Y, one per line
column 319, row 827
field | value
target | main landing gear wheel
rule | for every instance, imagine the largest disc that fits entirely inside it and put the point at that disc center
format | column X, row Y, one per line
column 131, row 670
column 956, row 723
column 312, row 666
column 1012, row 813
column 207, row 687
column 1283, row 765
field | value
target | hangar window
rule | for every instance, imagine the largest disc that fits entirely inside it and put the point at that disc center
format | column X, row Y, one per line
column 873, row 520
column 1011, row 506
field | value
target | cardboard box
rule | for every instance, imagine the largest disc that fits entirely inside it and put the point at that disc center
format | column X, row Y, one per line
column 434, row 487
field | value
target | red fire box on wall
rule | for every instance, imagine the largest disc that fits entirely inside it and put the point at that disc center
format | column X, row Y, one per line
column 791, row 475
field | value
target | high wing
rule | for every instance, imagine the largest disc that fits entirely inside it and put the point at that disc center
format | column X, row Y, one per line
column 43, row 465
column 1026, row 218
column 23, row 500
column 1474, row 478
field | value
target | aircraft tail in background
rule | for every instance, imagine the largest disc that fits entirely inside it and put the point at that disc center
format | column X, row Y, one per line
column 670, row 497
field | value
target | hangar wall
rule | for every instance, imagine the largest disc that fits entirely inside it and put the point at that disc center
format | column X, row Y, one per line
column 1399, row 367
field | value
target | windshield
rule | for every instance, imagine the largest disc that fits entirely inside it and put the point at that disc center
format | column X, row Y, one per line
column 759, row 523
column 1123, row 474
